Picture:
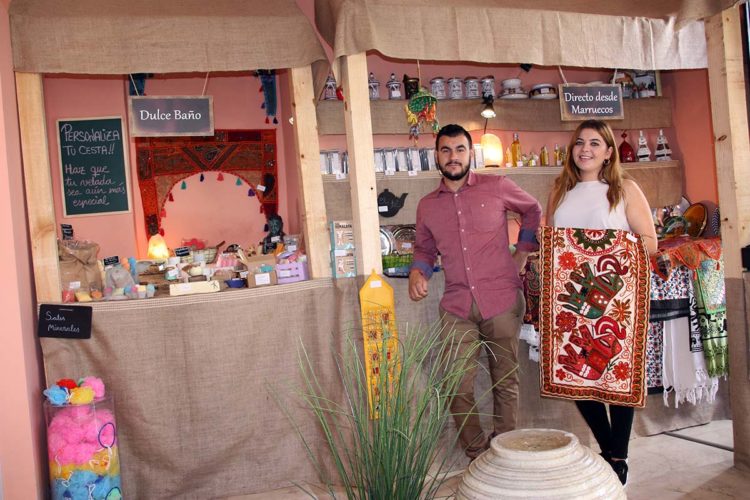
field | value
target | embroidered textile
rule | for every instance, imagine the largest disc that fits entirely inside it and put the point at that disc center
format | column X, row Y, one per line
column 710, row 298
column 165, row 161
column 654, row 354
column 594, row 315
column 686, row 251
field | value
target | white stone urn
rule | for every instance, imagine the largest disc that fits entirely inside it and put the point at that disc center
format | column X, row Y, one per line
column 539, row 464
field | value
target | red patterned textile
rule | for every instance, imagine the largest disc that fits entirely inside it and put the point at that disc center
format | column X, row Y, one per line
column 684, row 250
column 164, row 161
column 594, row 315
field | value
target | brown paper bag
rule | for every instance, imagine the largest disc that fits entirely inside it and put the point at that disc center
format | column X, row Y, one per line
column 78, row 263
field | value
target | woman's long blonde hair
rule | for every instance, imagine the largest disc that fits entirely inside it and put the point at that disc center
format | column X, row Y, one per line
column 612, row 173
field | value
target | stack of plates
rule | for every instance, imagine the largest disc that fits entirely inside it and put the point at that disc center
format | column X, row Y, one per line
column 543, row 91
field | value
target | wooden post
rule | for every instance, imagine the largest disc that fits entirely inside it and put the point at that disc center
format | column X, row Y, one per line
column 311, row 183
column 38, row 179
column 358, row 123
column 732, row 150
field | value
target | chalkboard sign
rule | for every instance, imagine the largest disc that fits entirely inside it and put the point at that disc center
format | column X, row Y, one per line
column 64, row 321
column 582, row 102
column 94, row 171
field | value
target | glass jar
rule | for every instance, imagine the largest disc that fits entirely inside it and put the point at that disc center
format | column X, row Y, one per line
column 471, row 86
column 83, row 450
column 437, row 87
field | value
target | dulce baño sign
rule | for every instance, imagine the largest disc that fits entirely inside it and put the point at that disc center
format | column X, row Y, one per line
column 164, row 116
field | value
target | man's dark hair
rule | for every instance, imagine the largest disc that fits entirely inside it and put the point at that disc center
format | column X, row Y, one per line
column 452, row 130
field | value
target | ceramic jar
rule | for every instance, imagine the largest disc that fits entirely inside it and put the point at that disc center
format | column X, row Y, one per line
column 541, row 464
column 437, row 87
column 471, row 87
column 455, row 88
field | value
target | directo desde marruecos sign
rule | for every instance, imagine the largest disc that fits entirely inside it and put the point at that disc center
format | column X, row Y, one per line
column 581, row 102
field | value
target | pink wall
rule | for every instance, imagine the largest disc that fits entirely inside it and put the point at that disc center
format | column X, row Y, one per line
column 691, row 139
column 22, row 462
column 209, row 210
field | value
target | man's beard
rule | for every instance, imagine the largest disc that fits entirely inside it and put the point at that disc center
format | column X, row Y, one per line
column 455, row 177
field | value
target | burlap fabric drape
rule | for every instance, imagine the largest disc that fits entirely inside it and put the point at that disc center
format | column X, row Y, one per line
column 583, row 33
column 144, row 36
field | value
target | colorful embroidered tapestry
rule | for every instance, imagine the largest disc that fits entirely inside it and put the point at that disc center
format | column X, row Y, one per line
column 594, row 315
column 164, row 161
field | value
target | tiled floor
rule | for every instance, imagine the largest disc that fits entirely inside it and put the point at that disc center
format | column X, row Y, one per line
column 661, row 467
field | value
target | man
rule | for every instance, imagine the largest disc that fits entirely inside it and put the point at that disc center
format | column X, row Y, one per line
column 465, row 220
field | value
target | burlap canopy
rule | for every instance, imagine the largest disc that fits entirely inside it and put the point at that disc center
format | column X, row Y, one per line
column 147, row 36
column 637, row 34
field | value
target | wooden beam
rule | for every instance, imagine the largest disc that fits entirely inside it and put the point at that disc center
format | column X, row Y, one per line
column 38, row 179
column 726, row 80
column 311, row 184
column 358, row 123
column 732, row 151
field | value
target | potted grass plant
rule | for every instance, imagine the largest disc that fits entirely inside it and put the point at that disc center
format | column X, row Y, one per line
column 392, row 446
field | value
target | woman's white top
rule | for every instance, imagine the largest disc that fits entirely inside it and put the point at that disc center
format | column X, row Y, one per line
column 586, row 206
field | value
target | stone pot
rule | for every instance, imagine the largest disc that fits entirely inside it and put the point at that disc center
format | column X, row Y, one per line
column 539, row 464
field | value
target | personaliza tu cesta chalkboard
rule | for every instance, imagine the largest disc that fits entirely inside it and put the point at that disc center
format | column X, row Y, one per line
column 64, row 321
column 94, row 168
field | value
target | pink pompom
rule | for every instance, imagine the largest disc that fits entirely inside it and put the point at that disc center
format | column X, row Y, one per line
column 96, row 385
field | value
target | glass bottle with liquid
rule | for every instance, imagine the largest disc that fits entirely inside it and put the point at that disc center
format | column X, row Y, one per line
column 556, row 156
column 515, row 151
column 508, row 157
column 544, row 157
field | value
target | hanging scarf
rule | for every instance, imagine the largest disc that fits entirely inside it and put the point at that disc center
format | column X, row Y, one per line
column 594, row 315
column 710, row 297
column 685, row 372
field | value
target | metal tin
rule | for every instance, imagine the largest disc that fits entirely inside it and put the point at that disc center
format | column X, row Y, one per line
column 488, row 86
column 471, row 84
column 437, row 87
column 455, row 88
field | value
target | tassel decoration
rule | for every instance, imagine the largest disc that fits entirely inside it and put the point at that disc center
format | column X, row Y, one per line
column 267, row 120
column 161, row 231
column 163, row 214
column 275, row 121
column 250, row 192
column 171, row 198
column 220, row 177
column 183, row 185
column 238, row 182
column 202, row 177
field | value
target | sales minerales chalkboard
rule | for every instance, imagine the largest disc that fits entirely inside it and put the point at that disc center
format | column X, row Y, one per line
column 94, row 170
column 64, row 321
column 582, row 102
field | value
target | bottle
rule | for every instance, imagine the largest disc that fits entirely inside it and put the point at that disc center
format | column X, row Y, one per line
column 515, row 150
column 508, row 158
column 627, row 154
column 663, row 153
column 544, row 157
column 557, row 156
column 643, row 153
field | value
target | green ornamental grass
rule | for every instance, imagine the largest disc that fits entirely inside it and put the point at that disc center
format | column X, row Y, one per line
column 401, row 454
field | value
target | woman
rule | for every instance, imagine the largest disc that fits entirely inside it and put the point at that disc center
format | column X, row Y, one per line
column 592, row 192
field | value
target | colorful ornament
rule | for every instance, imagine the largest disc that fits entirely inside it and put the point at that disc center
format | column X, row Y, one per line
column 421, row 109
column 171, row 198
column 183, row 185
column 202, row 177
column 220, row 177
column 238, row 182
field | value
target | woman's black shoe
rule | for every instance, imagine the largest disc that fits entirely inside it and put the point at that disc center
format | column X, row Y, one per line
column 621, row 469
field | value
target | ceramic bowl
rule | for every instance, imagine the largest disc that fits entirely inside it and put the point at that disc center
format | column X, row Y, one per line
column 235, row 283
column 512, row 83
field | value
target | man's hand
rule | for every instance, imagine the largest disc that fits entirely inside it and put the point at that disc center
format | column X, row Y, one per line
column 519, row 258
column 417, row 285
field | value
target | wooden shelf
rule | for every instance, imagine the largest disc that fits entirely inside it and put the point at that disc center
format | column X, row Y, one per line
column 661, row 183
column 531, row 115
